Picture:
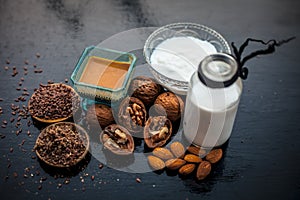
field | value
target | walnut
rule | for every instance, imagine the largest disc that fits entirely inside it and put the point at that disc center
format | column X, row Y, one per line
column 117, row 139
column 157, row 131
column 99, row 114
column 145, row 89
column 170, row 104
column 132, row 114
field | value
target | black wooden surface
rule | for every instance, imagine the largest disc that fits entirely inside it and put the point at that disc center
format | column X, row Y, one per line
column 262, row 157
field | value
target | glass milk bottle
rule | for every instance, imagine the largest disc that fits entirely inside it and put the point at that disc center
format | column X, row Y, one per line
column 212, row 101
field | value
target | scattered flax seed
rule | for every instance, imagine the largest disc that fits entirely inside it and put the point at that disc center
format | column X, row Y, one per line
column 9, row 165
column 34, row 65
column 15, row 72
column 6, row 68
column 4, row 122
column 27, row 169
column 25, row 68
column 66, row 181
column 93, row 178
column 138, row 180
column 14, row 107
column 40, row 187
column 2, row 136
column 8, row 61
column 43, row 178
column 22, row 143
column 100, row 166
column 21, row 98
column 50, row 82
column 15, row 174
column 38, row 71
column 12, row 119
column 1, row 99
column 18, row 124
column 18, row 88
column 38, row 55
column 26, row 62
column 11, row 149
column 29, row 124
column 25, row 94
column 3, row 126
column 66, row 80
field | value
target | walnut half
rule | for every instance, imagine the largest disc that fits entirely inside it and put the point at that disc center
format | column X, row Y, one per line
column 117, row 139
column 157, row 131
column 132, row 114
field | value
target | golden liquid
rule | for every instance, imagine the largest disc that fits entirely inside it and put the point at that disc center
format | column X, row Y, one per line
column 105, row 73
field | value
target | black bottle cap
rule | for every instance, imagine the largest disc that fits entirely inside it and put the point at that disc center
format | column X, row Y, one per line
column 218, row 70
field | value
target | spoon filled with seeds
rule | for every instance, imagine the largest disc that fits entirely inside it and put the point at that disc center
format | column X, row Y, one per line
column 53, row 103
column 62, row 144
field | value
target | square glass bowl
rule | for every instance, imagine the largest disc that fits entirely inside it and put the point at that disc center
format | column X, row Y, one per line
column 102, row 74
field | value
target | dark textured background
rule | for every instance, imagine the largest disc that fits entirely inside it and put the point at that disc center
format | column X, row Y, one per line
column 262, row 157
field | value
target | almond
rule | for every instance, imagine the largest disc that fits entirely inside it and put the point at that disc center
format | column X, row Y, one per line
column 192, row 158
column 162, row 153
column 174, row 163
column 203, row 170
column 177, row 149
column 156, row 163
column 214, row 156
column 187, row 169
column 196, row 150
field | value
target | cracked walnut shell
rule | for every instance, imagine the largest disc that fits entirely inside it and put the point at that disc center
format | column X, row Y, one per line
column 117, row 139
column 132, row 114
column 157, row 131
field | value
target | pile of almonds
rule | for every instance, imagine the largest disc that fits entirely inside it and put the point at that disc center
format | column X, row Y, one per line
column 184, row 160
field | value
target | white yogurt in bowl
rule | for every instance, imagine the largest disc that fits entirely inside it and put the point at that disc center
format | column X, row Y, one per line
column 179, row 57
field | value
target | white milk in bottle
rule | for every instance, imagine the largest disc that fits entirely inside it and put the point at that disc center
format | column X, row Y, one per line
column 212, row 101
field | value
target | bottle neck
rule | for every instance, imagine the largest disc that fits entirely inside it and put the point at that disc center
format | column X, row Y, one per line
column 218, row 70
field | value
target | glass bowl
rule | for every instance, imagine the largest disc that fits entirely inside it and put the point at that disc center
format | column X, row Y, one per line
column 190, row 30
column 88, row 82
